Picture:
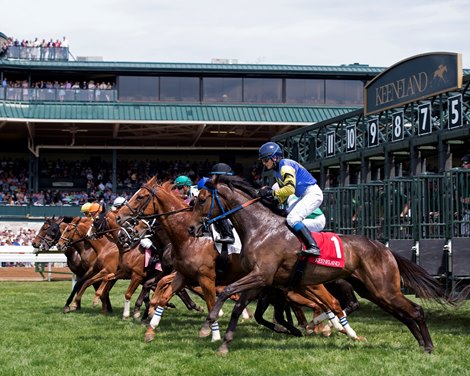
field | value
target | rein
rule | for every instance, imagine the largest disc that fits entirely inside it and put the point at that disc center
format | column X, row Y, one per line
column 153, row 216
column 225, row 214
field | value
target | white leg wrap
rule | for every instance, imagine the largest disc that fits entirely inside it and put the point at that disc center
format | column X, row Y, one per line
column 215, row 332
column 349, row 331
column 156, row 317
column 321, row 317
column 127, row 309
column 334, row 320
column 245, row 314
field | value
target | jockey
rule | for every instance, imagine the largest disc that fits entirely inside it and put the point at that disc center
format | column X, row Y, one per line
column 85, row 209
column 293, row 178
column 118, row 202
column 223, row 226
column 183, row 185
column 95, row 210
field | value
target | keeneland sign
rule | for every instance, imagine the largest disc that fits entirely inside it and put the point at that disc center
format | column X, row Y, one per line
column 415, row 78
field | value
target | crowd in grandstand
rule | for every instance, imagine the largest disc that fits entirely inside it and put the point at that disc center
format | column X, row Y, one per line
column 23, row 236
column 93, row 179
column 36, row 49
column 55, row 90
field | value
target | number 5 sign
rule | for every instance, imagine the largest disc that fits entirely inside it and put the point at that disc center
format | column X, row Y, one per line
column 454, row 105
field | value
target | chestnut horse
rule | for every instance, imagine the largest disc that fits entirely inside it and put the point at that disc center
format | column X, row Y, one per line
column 195, row 258
column 269, row 250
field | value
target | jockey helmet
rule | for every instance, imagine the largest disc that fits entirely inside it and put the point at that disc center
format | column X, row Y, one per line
column 221, row 169
column 118, row 202
column 85, row 207
column 95, row 208
column 182, row 181
column 270, row 150
column 201, row 183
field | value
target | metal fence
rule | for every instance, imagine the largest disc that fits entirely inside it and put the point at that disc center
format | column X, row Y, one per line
column 424, row 218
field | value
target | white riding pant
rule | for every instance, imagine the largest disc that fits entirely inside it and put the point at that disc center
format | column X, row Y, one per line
column 305, row 205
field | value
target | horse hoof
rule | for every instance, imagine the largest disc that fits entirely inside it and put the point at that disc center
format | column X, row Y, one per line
column 360, row 339
column 223, row 350
column 125, row 317
column 205, row 331
column 66, row 309
column 428, row 349
column 149, row 335
column 96, row 300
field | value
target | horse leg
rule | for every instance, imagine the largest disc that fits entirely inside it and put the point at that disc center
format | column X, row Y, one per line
column 94, row 278
column 75, row 290
column 263, row 303
column 99, row 292
column 240, row 305
column 343, row 291
column 105, row 300
column 279, row 301
column 403, row 309
column 207, row 284
column 188, row 302
column 135, row 282
column 163, row 293
column 253, row 280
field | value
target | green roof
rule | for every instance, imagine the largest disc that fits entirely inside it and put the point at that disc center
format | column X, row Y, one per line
column 123, row 112
column 122, row 67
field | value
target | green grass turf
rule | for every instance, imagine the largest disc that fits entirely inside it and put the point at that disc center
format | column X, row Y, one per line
column 36, row 338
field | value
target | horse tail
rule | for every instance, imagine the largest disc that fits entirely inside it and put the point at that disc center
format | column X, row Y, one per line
column 421, row 282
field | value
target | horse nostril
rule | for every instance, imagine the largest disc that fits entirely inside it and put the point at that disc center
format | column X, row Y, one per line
column 191, row 230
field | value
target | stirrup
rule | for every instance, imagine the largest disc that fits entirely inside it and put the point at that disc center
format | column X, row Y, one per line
column 315, row 252
column 225, row 240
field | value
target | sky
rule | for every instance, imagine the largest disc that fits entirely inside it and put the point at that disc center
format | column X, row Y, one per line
column 379, row 33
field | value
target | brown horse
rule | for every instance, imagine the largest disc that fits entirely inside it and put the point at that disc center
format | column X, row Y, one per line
column 195, row 258
column 269, row 251
column 80, row 256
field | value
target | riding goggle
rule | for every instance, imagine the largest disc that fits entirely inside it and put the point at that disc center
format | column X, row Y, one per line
column 265, row 160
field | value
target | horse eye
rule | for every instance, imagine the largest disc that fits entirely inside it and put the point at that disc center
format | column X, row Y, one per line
column 201, row 201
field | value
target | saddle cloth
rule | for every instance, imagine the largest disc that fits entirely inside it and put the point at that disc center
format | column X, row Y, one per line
column 331, row 250
column 236, row 247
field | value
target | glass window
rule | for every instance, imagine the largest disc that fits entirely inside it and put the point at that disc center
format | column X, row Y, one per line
column 222, row 89
column 179, row 89
column 345, row 92
column 305, row 91
column 138, row 88
column 262, row 90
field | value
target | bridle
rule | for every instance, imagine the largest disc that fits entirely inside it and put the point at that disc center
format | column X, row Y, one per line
column 68, row 241
column 215, row 198
column 138, row 213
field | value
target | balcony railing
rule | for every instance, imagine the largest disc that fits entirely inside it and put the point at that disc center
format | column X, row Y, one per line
column 58, row 95
column 38, row 53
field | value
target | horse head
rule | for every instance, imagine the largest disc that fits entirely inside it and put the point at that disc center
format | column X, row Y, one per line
column 138, row 204
column 77, row 230
column 49, row 233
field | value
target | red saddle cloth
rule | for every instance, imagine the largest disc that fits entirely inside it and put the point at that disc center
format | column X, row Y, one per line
column 331, row 250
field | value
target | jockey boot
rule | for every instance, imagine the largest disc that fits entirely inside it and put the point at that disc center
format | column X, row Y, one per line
column 224, row 228
column 305, row 235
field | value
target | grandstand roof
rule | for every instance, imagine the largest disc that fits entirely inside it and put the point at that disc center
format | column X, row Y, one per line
column 200, row 68
column 155, row 126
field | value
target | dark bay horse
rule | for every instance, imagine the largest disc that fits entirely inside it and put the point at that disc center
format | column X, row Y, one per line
column 195, row 258
column 269, row 251
column 80, row 256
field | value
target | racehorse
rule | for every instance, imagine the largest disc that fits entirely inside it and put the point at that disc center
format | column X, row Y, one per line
column 195, row 258
column 269, row 249
column 80, row 256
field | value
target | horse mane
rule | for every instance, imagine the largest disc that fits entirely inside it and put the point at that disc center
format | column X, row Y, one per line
column 246, row 187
